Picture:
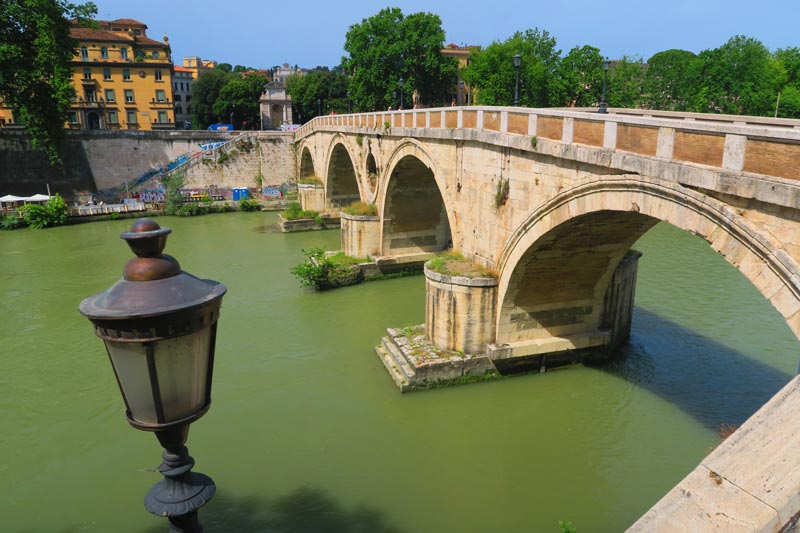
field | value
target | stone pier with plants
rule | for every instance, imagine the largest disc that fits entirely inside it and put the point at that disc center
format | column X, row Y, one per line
column 457, row 342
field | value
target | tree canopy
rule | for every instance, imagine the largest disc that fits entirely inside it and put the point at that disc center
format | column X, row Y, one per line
column 319, row 91
column 492, row 72
column 35, row 76
column 220, row 93
column 388, row 47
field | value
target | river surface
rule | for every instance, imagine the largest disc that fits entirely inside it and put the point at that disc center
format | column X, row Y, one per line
column 307, row 432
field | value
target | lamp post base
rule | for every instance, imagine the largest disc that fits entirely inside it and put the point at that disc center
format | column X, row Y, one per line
column 182, row 492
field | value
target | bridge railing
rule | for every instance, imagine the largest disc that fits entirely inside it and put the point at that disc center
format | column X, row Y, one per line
column 757, row 145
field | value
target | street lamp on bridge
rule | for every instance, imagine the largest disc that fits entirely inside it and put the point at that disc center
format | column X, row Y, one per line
column 349, row 108
column 319, row 107
column 159, row 326
column 402, row 81
column 517, row 63
column 603, row 108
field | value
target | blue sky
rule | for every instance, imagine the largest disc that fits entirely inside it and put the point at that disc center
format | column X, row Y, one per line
column 264, row 33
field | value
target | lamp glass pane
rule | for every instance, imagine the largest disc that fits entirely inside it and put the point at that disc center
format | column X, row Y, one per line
column 130, row 364
column 182, row 365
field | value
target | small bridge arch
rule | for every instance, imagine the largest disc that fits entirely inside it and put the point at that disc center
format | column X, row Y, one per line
column 415, row 218
column 342, row 186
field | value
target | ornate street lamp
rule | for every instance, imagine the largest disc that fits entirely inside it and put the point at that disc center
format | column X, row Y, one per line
column 603, row 108
column 402, row 81
column 159, row 326
column 517, row 63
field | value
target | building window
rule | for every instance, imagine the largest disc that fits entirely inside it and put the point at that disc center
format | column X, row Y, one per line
column 126, row 74
column 155, row 55
column 132, row 116
column 87, row 73
column 178, row 98
column 176, row 85
column 182, row 86
column 106, row 74
column 110, row 95
column 158, row 75
column 112, row 117
column 84, row 53
column 160, row 96
column 73, row 117
column 137, row 32
column 162, row 117
column 129, row 96
column 188, row 97
column 104, row 52
column 123, row 52
column 139, row 54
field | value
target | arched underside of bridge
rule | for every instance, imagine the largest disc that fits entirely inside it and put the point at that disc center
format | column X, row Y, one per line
column 306, row 163
column 414, row 215
column 341, row 183
column 556, row 269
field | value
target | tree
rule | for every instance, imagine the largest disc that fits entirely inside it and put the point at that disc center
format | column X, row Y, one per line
column 35, row 77
column 625, row 82
column 240, row 99
column 789, row 61
column 579, row 78
column 670, row 80
column 388, row 47
column 205, row 91
column 491, row 71
column 320, row 90
column 740, row 77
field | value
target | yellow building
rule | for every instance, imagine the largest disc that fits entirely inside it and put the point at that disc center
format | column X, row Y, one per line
column 122, row 78
column 461, row 93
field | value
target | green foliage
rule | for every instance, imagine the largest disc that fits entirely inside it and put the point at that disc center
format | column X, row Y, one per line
column 249, row 205
column 172, row 196
column 534, row 142
column 223, row 158
column 259, row 180
column 114, row 216
column 319, row 90
column 501, row 195
column 53, row 213
column 321, row 272
column 294, row 212
column 191, row 209
column 361, row 208
column 492, row 73
column 387, row 124
column 578, row 78
column 452, row 263
column 205, row 90
column 625, row 82
column 9, row 222
column 740, row 77
column 239, row 97
column 389, row 46
column 35, row 78
column 359, row 139
column 671, row 80
column 566, row 527
column 310, row 180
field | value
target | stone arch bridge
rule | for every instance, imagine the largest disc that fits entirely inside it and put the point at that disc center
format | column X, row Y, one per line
column 551, row 201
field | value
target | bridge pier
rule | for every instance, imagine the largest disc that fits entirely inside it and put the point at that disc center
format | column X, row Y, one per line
column 571, row 334
column 361, row 235
column 312, row 197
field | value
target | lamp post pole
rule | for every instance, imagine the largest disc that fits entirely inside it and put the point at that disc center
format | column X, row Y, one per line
column 159, row 326
column 319, row 107
column 349, row 108
column 517, row 63
column 603, row 108
column 401, row 92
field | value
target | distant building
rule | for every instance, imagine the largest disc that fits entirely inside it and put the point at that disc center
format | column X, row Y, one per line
column 460, row 92
column 198, row 65
column 276, row 106
column 182, row 79
column 279, row 74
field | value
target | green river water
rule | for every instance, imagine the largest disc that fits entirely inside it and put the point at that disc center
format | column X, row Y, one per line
column 307, row 432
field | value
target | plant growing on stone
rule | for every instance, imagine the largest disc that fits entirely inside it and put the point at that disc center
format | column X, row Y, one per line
column 534, row 142
column 321, row 272
column 293, row 211
column 359, row 139
column 501, row 196
column 172, row 196
column 248, row 205
column 361, row 208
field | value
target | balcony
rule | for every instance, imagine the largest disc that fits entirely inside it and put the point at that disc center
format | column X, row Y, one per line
column 162, row 125
column 155, row 104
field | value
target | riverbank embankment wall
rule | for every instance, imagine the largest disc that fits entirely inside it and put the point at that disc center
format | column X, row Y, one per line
column 96, row 160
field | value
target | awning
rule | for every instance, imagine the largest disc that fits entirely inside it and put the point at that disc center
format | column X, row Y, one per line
column 35, row 198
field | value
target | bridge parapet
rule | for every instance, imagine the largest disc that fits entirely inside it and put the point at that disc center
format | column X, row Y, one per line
column 698, row 150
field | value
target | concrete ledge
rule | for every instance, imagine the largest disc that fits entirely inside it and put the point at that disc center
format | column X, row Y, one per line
column 461, row 280
column 307, row 224
column 751, row 482
column 548, row 345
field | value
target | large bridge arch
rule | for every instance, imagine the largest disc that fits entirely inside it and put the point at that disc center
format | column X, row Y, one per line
column 415, row 216
column 342, row 185
column 306, row 163
column 556, row 267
